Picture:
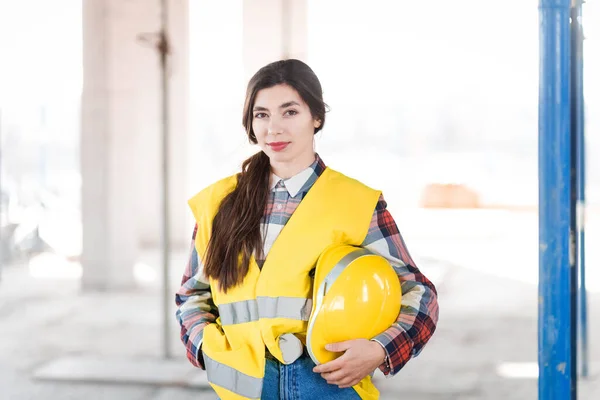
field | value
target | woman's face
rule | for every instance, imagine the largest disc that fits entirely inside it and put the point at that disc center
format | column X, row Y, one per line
column 284, row 127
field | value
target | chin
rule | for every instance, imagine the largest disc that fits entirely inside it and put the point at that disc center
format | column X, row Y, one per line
column 280, row 157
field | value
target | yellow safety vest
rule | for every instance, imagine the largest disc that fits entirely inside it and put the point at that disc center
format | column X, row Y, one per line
column 274, row 303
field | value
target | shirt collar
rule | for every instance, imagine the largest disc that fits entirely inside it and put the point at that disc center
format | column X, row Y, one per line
column 302, row 181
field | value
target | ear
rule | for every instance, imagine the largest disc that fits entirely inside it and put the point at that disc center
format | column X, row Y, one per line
column 317, row 123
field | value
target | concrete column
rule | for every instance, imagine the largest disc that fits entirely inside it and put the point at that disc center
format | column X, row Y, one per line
column 179, row 127
column 149, row 159
column 274, row 30
column 120, row 139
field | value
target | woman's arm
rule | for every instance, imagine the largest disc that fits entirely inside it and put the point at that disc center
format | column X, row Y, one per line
column 419, row 312
column 414, row 326
column 195, row 307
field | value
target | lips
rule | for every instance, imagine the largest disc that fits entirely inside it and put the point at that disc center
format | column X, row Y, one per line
column 278, row 146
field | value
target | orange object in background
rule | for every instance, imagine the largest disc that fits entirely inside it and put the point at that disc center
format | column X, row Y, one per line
column 451, row 195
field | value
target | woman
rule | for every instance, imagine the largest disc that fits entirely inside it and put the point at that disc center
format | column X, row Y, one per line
column 241, row 269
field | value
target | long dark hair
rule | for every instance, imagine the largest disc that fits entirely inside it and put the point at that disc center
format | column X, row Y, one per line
column 236, row 234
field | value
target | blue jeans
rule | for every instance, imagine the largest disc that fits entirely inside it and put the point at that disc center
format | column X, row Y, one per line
column 297, row 381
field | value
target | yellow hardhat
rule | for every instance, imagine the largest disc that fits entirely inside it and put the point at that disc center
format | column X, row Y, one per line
column 356, row 295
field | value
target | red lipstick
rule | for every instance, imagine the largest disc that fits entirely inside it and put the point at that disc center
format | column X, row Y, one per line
column 278, row 146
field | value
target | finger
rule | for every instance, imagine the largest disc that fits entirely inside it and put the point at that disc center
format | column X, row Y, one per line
column 336, row 377
column 348, row 381
column 349, row 384
column 339, row 346
column 330, row 366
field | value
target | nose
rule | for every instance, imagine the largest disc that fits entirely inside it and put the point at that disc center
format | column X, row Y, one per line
column 274, row 127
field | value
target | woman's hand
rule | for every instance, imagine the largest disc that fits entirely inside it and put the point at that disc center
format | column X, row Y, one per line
column 361, row 357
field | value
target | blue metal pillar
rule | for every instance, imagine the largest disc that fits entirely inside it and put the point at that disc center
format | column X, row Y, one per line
column 557, row 316
column 578, row 134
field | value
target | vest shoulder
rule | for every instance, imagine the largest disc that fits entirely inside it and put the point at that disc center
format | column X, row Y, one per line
column 211, row 194
column 340, row 178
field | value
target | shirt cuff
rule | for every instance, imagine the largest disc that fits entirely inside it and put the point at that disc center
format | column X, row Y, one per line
column 385, row 366
column 399, row 349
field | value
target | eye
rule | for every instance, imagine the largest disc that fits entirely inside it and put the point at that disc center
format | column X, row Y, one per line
column 291, row 112
column 260, row 115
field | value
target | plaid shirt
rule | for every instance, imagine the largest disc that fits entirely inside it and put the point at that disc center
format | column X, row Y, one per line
column 419, row 313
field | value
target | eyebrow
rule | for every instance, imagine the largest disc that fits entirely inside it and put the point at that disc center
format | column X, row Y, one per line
column 284, row 105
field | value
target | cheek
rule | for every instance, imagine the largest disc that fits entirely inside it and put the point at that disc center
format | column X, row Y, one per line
column 308, row 132
column 302, row 130
column 259, row 132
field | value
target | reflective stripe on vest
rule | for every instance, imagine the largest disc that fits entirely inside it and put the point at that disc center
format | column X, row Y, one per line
column 232, row 379
column 265, row 307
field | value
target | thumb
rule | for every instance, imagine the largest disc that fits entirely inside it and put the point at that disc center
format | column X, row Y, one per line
column 339, row 346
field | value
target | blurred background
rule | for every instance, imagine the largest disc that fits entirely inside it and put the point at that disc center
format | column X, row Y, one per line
column 435, row 103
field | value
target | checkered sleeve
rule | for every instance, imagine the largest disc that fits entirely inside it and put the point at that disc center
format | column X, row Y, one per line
column 419, row 311
column 195, row 307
